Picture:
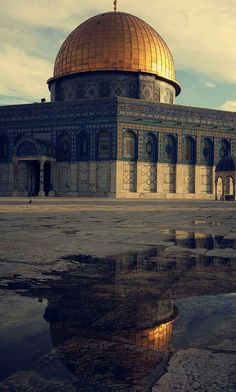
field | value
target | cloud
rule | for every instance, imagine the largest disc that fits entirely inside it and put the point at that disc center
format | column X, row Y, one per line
column 229, row 106
column 201, row 35
column 207, row 84
column 24, row 75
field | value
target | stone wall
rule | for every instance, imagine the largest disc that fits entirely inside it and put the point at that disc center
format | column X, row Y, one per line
column 115, row 178
column 162, row 180
column 84, row 179
column 5, row 180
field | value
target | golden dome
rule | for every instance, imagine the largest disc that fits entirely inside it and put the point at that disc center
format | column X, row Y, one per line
column 115, row 41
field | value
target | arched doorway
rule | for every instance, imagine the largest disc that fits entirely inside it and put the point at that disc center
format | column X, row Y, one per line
column 225, row 179
column 34, row 177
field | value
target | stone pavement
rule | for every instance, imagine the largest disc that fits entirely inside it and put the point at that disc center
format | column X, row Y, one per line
column 38, row 234
column 35, row 240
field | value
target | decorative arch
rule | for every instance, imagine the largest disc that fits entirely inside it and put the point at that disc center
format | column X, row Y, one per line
column 64, row 147
column 4, row 147
column 225, row 148
column 130, row 146
column 150, row 147
column 207, row 151
column 26, row 148
column 83, row 145
column 170, row 148
column 189, row 150
column 104, row 145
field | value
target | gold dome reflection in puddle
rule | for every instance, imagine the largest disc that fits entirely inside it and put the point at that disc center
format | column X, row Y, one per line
column 107, row 351
column 115, row 327
column 157, row 338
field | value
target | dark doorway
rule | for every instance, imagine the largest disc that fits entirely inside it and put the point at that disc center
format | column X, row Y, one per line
column 33, row 178
column 47, row 178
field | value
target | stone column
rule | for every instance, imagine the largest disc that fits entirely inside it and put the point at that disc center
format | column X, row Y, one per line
column 213, row 178
column 216, row 196
column 223, row 187
column 41, row 181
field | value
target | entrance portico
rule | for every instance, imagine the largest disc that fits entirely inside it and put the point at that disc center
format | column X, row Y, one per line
column 32, row 170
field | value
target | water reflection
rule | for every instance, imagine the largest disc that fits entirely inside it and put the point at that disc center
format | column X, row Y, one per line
column 158, row 259
column 112, row 319
column 194, row 240
column 111, row 332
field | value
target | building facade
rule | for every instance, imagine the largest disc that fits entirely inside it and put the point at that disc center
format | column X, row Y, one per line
column 112, row 128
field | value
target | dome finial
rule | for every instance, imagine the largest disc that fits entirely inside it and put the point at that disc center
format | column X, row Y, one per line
column 115, row 5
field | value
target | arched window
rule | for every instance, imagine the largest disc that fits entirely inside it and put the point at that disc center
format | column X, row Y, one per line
column 208, row 151
column 104, row 145
column 224, row 148
column 4, row 147
column 189, row 150
column 150, row 147
column 129, row 146
column 170, row 149
column 83, row 145
column 64, row 147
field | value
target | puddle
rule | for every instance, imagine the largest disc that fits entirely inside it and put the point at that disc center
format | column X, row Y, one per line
column 195, row 240
column 24, row 336
column 112, row 324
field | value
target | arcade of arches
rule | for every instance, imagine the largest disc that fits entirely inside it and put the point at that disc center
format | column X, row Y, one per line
column 152, row 164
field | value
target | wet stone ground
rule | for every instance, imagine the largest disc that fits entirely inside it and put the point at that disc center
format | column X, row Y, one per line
column 104, row 295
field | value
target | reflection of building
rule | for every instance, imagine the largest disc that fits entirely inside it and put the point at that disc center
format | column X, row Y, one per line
column 113, row 329
column 125, row 330
column 110, row 350
column 112, row 128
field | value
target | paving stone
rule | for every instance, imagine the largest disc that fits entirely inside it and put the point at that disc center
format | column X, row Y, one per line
column 199, row 370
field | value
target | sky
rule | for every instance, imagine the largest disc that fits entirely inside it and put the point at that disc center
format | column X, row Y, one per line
column 200, row 34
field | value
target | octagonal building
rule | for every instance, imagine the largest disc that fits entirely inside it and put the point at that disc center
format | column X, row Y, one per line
column 112, row 127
